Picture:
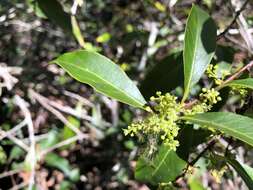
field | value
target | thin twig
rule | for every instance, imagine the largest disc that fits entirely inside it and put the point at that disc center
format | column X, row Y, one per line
column 63, row 143
column 17, row 141
column 237, row 14
column 13, row 130
column 240, row 45
column 208, row 147
column 69, row 110
column 19, row 186
column 85, row 101
column 58, row 114
column 235, row 75
column 32, row 150
column 243, row 28
column 9, row 173
column 231, row 78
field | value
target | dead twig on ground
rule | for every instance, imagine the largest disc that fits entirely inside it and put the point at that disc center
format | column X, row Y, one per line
column 15, row 140
column 61, row 144
column 13, row 130
column 85, row 101
column 32, row 150
column 43, row 101
column 237, row 14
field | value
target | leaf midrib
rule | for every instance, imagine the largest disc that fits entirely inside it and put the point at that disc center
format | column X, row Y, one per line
column 221, row 126
column 237, row 83
column 194, row 55
column 243, row 85
column 187, row 88
column 140, row 104
column 162, row 161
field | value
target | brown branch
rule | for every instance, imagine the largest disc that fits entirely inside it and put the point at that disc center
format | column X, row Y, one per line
column 231, row 78
column 235, row 75
column 208, row 147
column 237, row 14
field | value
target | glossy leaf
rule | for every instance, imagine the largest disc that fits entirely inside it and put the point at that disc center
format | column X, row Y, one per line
column 248, row 169
column 189, row 138
column 199, row 46
column 164, row 168
column 164, row 76
column 54, row 11
column 245, row 83
column 237, row 126
column 224, row 54
column 102, row 74
column 243, row 170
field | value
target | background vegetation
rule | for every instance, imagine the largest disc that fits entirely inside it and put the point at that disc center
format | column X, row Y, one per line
column 41, row 99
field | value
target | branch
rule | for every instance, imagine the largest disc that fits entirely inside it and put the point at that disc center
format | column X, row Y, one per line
column 84, row 101
column 61, row 144
column 17, row 141
column 19, row 186
column 237, row 14
column 43, row 101
column 208, row 147
column 32, row 150
column 13, row 130
column 236, row 75
column 231, row 78
column 9, row 173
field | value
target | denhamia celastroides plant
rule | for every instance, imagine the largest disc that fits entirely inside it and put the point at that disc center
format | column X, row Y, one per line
column 168, row 116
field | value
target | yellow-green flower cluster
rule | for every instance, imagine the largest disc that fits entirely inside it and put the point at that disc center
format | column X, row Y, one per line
column 212, row 72
column 161, row 122
column 239, row 90
column 217, row 174
column 208, row 98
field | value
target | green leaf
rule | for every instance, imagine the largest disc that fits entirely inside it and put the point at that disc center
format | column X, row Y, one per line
column 224, row 54
column 16, row 153
column 3, row 157
column 36, row 9
column 164, row 168
column 245, row 83
column 164, row 76
column 199, row 46
column 103, row 38
column 68, row 133
column 53, row 160
column 243, row 170
column 195, row 184
column 52, row 139
column 189, row 138
column 102, row 74
column 237, row 126
column 54, row 11
column 248, row 169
